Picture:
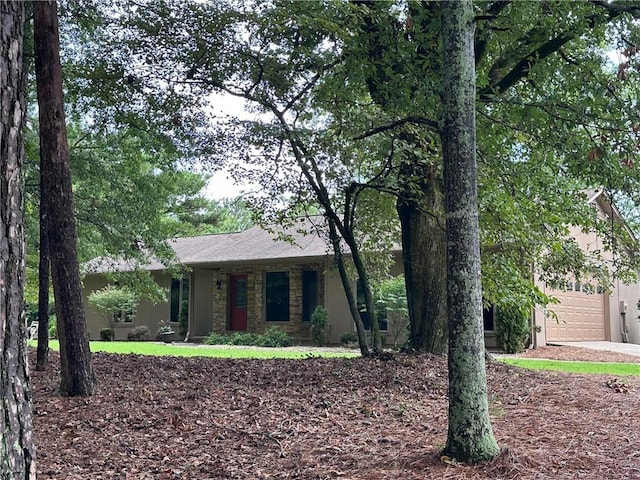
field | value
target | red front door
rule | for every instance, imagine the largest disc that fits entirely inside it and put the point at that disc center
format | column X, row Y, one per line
column 238, row 302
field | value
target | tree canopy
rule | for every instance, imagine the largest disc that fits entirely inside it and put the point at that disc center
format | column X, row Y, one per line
column 344, row 99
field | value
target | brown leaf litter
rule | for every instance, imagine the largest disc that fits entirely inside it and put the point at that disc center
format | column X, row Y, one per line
column 317, row 419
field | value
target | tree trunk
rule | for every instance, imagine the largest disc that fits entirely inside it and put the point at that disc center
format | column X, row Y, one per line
column 76, row 374
column 470, row 436
column 346, row 284
column 17, row 449
column 425, row 267
column 376, row 337
column 423, row 234
column 42, row 355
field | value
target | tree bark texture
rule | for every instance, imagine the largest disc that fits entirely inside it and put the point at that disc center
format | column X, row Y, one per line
column 42, row 354
column 76, row 375
column 17, row 449
column 470, row 436
column 425, row 268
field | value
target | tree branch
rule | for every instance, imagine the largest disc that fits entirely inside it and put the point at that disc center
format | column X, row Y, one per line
column 398, row 123
column 492, row 12
column 522, row 68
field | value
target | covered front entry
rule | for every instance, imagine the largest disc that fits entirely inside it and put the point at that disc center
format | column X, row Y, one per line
column 238, row 302
column 580, row 314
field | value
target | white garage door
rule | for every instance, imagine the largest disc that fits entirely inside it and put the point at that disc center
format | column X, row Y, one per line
column 580, row 315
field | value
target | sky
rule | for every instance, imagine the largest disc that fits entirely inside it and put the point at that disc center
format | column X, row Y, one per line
column 220, row 185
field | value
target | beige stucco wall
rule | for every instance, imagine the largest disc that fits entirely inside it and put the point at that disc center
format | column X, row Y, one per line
column 202, row 302
column 338, row 307
column 146, row 314
column 627, row 293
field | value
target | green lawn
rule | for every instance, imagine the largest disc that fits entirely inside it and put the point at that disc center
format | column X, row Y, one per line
column 576, row 367
column 195, row 350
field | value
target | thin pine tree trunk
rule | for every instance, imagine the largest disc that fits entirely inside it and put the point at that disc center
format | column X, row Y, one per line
column 76, row 374
column 42, row 354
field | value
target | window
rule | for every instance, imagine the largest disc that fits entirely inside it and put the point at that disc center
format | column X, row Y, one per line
column 179, row 299
column 240, row 299
column 309, row 293
column 124, row 316
column 276, row 296
column 487, row 317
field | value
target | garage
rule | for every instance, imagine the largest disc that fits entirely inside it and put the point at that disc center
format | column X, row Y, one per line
column 580, row 314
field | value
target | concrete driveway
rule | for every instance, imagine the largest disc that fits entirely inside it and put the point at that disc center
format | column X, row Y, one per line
column 628, row 348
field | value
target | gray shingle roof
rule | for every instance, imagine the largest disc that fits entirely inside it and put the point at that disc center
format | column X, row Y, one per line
column 251, row 245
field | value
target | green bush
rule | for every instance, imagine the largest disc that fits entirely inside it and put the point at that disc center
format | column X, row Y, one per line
column 243, row 338
column 512, row 327
column 391, row 304
column 139, row 334
column 184, row 318
column 53, row 327
column 275, row 337
column 348, row 337
column 320, row 326
column 106, row 334
column 215, row 338
column 115, row 304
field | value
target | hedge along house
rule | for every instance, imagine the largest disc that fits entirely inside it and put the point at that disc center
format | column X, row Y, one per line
column 246, row 281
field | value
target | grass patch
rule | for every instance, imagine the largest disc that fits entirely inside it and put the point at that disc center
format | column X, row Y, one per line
column 602, row 368
column 195, row 350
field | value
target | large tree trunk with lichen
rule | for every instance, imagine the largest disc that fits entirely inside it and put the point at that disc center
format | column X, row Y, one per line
column 470, row 436
column 76, row 373
column 17, row 449
column 425, row 268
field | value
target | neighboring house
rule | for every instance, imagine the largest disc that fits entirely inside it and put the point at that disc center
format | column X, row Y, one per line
column 245, row 281
column 585, row 311
column 249, row 281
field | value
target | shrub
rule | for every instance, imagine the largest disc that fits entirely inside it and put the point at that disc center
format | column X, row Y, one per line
column 512, row 327
column 53, row 327
column 243, row 338
column 114, row 304
column 106, row 334
column 348, row 337
column 275, row 337
column 215, row 338
column 139, row 334
column 183, row 319
column 319, row 326
column 391, row 304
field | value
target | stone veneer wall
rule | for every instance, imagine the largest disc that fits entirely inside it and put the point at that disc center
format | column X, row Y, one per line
column 255, row 298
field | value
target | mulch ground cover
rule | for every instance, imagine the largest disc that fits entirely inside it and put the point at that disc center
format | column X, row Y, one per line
column 198, row 418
